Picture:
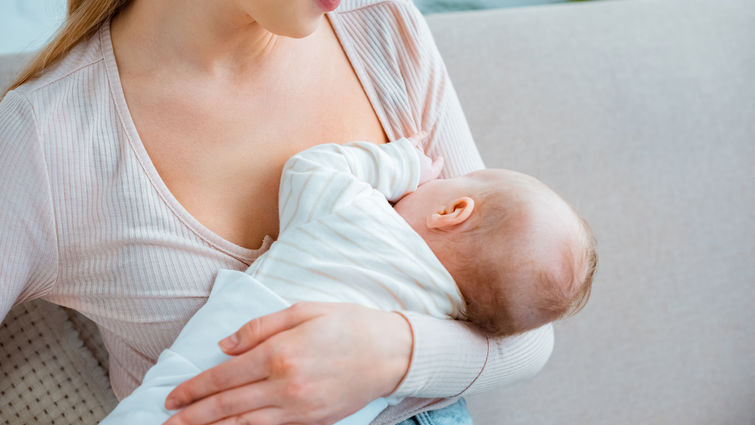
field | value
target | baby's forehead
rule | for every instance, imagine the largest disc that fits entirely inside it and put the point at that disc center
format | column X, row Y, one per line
column 494, row 173
column 511, row 186
column 502, row 178
column 524, row 198
column 543, row 219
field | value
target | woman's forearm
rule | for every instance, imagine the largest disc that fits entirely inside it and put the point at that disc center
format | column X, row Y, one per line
column 450, row 358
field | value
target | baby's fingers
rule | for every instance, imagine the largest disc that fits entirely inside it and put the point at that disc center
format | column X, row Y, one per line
column 418, row 139
column 437, row 167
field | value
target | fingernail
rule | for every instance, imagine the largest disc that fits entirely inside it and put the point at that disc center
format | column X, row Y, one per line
column 229, row 342
column 171, row 404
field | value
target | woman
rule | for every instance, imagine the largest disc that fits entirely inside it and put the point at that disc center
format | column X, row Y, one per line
column 141, row 152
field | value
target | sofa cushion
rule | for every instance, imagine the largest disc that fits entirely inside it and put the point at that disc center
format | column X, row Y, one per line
column 47, row 373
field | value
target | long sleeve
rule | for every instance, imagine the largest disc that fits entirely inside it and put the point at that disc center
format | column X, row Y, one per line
column 28, row 244
column 326, row 177
column 450, row 358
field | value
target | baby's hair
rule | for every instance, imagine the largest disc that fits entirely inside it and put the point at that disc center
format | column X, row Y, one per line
column 487, row 284
column 563, row 301
column 590, row 265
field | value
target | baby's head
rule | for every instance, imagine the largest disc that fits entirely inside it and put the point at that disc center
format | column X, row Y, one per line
column 520, row 255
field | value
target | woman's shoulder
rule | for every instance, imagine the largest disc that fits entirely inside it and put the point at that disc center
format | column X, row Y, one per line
column 76, row 64
column 351, row 5
column 383, row 14
column 392, row 40
column 57, row 110
column 392, row 30
column 65, row 89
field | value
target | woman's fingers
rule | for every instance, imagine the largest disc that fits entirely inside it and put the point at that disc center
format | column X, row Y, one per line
column 258, row 330
column 250, row 364
column 310, row 367
column 246, row 368
column 254, row 400
column 267, row 416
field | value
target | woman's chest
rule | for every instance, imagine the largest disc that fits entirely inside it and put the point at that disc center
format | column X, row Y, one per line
column 129, row 263
column 222, row 157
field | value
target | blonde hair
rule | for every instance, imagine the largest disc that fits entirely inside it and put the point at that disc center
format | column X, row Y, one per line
column 83, row 18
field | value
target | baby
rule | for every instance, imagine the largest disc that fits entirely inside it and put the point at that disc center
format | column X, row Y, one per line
column 505, row 252
column 494, row 247
column 519, row 254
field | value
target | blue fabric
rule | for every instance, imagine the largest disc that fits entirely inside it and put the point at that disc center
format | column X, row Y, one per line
column 455, row 414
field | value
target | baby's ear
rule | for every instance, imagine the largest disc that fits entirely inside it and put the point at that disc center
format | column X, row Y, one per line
column 455, row 213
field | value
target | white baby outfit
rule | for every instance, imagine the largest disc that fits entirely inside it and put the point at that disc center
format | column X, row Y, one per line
column 339, row 240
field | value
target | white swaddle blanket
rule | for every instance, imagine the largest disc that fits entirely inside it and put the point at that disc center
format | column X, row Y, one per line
column 236, row 298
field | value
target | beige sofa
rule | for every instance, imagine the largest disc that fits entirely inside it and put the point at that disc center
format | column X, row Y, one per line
column 641, row 112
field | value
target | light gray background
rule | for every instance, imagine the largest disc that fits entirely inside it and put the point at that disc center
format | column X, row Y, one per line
column 27, row 25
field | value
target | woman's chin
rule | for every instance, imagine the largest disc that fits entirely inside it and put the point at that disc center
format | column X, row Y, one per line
column 301, row 29
column 305, row 31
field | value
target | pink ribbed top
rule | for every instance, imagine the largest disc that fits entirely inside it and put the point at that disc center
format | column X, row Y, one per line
column 87, row 222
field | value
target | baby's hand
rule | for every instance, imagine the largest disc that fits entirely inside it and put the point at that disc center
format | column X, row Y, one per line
column 418, row 140
column 429, row 169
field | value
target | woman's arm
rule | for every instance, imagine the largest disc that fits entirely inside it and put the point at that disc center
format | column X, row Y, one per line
column 28, row 244
column 312, row 363
column 319, row 362
column 450, row 358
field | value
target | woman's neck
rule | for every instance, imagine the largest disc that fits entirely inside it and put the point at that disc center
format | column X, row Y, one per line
column 214, row 38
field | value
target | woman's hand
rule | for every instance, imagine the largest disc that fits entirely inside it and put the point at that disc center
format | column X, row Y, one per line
column 313, row 363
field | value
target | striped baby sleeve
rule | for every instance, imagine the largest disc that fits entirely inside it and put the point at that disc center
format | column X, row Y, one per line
column 327, row 177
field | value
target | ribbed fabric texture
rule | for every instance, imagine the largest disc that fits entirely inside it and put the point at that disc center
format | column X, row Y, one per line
column 87, row 222
column 334, row 200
